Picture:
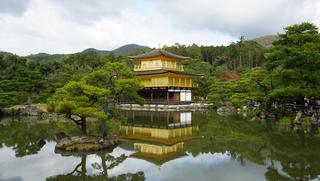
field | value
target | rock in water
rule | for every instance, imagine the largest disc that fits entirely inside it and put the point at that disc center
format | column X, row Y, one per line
column 83, row 143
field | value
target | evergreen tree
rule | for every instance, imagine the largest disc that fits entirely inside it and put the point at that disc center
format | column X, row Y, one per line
column 294, row 63
column 90, row 96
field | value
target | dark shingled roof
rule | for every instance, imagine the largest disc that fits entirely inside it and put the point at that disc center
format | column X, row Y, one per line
column 161, row 71
column 158, row 52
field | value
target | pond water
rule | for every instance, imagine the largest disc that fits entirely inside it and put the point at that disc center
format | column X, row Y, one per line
column 163, row 146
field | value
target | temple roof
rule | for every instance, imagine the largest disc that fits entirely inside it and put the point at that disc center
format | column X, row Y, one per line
column 158, row 52
column 161, row 71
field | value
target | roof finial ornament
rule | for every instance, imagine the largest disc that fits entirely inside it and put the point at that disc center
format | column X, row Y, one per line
column 159, row 46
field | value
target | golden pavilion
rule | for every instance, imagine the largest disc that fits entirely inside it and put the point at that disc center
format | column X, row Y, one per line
column 163, row 77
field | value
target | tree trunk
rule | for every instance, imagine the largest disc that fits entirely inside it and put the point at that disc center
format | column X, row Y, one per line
column 102, row 129
column 84, row 126
column 271, row 81
column 106, row 106
column 240, row 60
column 83, row 166
column 104, row 165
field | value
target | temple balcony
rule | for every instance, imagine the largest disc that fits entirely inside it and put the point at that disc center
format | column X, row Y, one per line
column 158, row 65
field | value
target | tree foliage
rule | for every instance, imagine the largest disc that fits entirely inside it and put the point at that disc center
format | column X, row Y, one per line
column 294, row 63
column 19, row 80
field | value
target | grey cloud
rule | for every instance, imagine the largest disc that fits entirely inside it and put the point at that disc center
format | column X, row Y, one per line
column 11, row 179
column 84, row 11
column 64, row 26
column 247, row 17
column 13, row 7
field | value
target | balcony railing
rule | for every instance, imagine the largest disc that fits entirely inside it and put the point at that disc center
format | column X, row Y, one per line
column 140, row 68
column 167, row 84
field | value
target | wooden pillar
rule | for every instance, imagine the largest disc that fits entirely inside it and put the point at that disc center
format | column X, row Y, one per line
column 167, row 120
column 152, row 120
column 151, row 94
column 168, row 96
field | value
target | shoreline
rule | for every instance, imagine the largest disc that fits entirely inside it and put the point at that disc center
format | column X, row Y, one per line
column 162, row 107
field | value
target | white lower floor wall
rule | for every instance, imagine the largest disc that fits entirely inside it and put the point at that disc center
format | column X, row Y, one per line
column 185, row 95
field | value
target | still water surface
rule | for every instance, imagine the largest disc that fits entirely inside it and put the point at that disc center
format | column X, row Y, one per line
column 163, row 146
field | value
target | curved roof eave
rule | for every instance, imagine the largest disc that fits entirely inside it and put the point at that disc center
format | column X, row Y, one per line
column 158, row 52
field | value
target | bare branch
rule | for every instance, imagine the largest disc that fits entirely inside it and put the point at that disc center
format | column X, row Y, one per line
column 74, row 120
column 75, row 169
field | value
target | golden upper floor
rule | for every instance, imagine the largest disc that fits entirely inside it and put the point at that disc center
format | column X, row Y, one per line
column 156, row 60
column 157, row 63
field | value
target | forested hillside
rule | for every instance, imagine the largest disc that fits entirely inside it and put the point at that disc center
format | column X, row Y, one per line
column 266, row 41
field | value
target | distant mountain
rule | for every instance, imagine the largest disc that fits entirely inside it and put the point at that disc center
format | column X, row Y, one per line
column 266, row 41
column 5, row 53
column 129, row 49
column 99, row 52
column 126, row 49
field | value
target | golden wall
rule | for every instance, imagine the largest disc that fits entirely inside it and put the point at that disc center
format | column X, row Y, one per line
column 157, row 132
column 158, row 149
column 157, row 63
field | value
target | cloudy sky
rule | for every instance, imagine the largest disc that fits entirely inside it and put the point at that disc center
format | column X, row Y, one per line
column 66, row 26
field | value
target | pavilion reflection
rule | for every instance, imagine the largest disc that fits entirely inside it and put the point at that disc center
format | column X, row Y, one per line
column 158, row 137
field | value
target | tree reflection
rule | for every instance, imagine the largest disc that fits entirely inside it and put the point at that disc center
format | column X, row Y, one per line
column 272, row 173
column 23, row 138
column 28, row 137
column 107, row 163
column 103, row 167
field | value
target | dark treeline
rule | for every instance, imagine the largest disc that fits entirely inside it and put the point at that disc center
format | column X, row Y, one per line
column 240, row 54
column 25, row 80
